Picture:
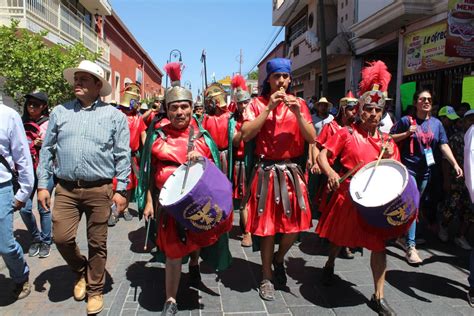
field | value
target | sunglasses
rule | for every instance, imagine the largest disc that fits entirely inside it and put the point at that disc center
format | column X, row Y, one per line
column 277, row 75
column 34, row 105
column 424, row 99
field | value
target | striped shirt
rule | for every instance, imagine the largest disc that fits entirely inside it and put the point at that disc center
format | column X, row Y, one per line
column 87, row 144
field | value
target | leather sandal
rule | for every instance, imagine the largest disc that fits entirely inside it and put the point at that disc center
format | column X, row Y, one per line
column 266, row 290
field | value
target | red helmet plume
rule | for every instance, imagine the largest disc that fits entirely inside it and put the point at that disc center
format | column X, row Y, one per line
column 238, row 81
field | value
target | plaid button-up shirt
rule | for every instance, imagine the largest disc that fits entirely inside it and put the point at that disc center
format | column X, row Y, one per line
column 86, row 144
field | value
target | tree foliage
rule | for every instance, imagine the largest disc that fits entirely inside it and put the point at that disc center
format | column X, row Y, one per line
column 30, row 63
column 253, row 75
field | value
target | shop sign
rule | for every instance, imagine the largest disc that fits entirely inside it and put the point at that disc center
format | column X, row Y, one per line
column 460, row 32
column 424, row 50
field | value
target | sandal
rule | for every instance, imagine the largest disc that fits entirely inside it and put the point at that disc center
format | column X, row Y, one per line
column 266, row 290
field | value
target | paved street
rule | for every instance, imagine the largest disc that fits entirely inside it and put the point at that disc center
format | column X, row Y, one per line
column 436, row 288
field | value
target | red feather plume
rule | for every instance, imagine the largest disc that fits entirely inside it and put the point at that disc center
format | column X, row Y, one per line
column 375, row 73
column 238, row 81
column 173, row 70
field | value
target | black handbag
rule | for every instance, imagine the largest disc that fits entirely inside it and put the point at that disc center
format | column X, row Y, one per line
column 15, row 183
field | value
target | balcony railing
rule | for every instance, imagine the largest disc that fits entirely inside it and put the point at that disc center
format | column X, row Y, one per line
column 57, row 19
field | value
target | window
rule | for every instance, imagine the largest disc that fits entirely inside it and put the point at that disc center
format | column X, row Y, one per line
column 296, row 50
column 346, row 16
column 117, row 87
column 297, row 28
column 342, row 5
column 139, row 75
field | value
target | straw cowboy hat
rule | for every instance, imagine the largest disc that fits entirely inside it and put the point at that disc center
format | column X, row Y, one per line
column 324, row 100
column 93, row 69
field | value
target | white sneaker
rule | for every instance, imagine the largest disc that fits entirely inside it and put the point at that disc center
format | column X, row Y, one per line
column 462, row 242
column 443, row 234
column 412, row 256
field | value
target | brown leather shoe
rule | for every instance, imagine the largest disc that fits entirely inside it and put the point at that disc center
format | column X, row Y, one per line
column 95, row 304
column 80, row 288
column 246, row 240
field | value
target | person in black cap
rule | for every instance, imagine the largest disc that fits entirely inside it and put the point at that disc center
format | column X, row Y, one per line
column 35, row 121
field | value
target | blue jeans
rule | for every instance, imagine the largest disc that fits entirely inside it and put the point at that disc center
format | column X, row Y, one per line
column 421, row 183
column 43, row 236
column 10, row 249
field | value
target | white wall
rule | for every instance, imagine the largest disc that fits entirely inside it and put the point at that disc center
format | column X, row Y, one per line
column 368, row 7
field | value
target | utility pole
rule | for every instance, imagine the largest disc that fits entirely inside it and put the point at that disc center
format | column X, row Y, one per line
column 322, row 40
column 203, row 60
column 241, row 61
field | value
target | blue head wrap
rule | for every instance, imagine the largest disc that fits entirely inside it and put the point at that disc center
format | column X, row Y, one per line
column 275, row 65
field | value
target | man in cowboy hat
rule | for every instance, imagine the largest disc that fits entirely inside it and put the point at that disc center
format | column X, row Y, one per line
column 322, row 115
column 89, row 142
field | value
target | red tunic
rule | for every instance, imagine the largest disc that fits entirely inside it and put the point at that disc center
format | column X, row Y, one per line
column 136, row 126
column 322, row 193
column 279, row 139
column 341, row 223
column 167, row 155
column 217, row 125
column 238, row 158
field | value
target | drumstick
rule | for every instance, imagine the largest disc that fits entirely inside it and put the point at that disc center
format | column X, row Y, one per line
column 375, row 167
column 350, row 172
column 188, row 165
column 147, row 232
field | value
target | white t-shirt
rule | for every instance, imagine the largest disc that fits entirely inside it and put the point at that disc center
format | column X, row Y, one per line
column 319, row 122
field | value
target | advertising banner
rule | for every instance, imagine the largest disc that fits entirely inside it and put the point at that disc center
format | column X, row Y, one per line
column 424, row 50
column 460, row 30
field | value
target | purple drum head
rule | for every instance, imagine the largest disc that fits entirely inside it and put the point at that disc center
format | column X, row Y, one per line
column 206, row 199
column 385, row 196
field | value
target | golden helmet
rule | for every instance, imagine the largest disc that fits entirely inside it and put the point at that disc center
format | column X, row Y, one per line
column 216, row 93
column 131, row 97
column 176, row 92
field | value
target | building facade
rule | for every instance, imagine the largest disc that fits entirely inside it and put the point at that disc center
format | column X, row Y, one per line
column 93, row 23
column 410, row 36
column 129, row 62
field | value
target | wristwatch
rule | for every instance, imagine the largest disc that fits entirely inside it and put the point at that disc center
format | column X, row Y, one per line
column 122, row 193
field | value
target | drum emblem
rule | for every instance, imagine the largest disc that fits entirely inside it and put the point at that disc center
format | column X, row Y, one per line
column 397, row 214
column 203, row 217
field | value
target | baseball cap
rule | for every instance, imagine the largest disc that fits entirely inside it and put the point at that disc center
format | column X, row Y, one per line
column 38, row 95
column 449, row 112
column 470, row 112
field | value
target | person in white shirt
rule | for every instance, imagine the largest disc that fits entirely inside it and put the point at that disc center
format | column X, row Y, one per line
column 14, row 155
column 469, row 179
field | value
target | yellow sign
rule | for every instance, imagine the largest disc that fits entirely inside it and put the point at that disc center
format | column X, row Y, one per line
column 424, row 50
column 226, row 81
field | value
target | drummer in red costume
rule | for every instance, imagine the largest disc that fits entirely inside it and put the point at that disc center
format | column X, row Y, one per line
column 168, row 149
column 129, row 106
column 278, row 201
column 361, row 142
column 216, row 121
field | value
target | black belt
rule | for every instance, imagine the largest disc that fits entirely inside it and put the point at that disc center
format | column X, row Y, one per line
column 83, row 184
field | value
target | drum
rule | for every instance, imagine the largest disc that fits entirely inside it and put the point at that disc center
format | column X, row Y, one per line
column 206, row 199
column 385, row 196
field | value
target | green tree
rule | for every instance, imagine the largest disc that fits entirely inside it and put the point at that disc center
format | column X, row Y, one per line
column 29, row 63
column 253, row 75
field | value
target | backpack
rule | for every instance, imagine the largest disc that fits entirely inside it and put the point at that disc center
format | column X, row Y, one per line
column 33, row 131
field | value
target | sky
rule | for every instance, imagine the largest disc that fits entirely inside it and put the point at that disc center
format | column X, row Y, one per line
column 220, row 27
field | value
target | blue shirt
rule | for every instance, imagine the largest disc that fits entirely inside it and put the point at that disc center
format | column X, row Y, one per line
column 87, row 144
column 15, row 149
column 416, row 162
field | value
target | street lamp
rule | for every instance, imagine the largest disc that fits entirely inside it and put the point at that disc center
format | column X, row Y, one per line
column 174, row 53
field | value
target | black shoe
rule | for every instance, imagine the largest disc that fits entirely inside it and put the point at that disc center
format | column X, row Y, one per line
column 21, row 290
column 34, row 249
column 44, row 250
column 328, row 276
column 194, row 276
column 346, row 253
column 279, row 272
column 470, row 297
column 170, row 308
column 381, row 307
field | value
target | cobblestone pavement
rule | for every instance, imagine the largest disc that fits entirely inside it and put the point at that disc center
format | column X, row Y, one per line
column 438, row 287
